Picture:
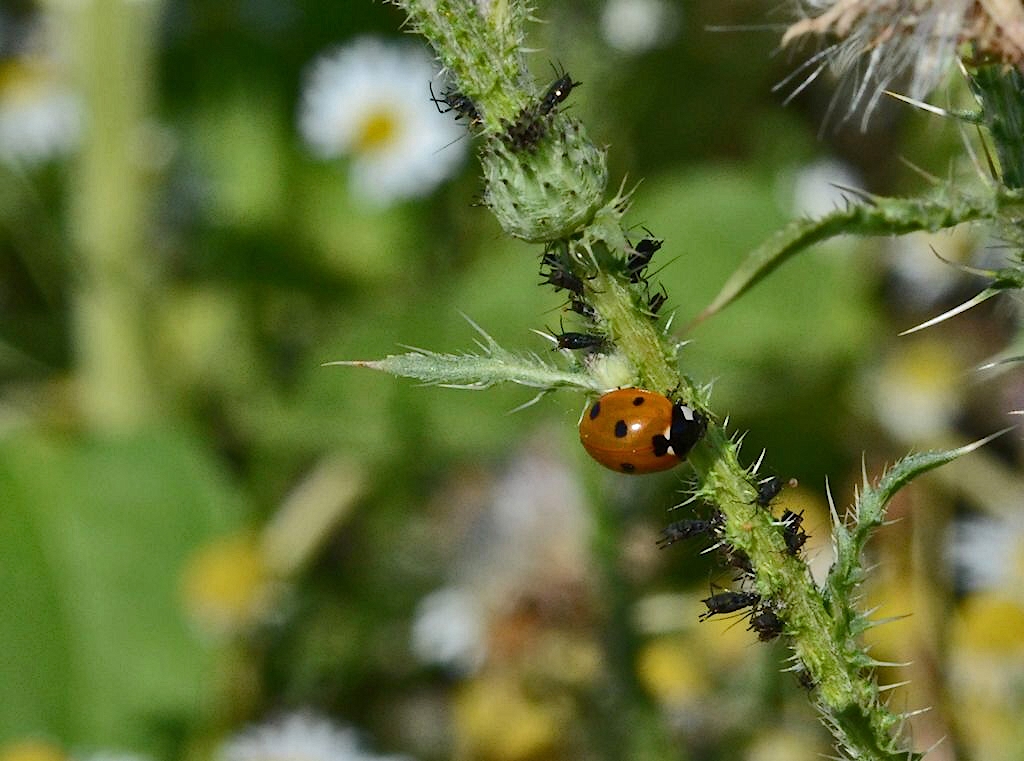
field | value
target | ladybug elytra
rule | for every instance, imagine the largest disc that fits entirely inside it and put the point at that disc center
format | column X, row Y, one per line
column 634, row 431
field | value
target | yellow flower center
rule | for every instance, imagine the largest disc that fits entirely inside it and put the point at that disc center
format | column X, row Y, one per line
column 377, row 131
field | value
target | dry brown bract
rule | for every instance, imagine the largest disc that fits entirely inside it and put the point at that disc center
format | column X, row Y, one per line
column 994, row 28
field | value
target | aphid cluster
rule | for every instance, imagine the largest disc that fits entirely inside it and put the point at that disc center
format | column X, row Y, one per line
column 532, row 122
column 555, row 271
column 764, row 616
column 638, row 259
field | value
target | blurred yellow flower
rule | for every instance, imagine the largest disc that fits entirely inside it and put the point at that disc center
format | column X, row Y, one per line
column 226, row 585
column 32, row 749
column 672, row 670
column 496, row 719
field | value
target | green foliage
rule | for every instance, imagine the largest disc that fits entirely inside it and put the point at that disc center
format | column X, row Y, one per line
column 495, row 365
column 240, row 266
column 875, row 216
column 94, row 539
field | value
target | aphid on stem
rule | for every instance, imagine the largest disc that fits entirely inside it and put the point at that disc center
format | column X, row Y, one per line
column 793, row 531
column 728, row 602
column 685, row 529
column 770, row 487
column 463, row 107
column 557, row 92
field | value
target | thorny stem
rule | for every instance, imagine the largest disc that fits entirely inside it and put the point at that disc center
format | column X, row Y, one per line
column 637, row 337
column 481, row 44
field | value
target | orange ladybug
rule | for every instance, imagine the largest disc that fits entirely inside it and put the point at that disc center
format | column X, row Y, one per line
column 634, row 431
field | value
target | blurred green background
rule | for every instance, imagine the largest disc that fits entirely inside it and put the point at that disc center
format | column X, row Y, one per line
column 203, row 528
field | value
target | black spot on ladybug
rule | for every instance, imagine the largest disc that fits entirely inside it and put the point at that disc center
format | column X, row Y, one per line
column 621, row 429
column 661, row 445
column 637, row 401
column 627, row 467
column 595, row 410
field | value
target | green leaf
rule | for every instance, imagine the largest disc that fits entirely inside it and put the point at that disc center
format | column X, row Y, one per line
column 869, row 513
column 479, row 371
column 877, row 216
column 93, row 536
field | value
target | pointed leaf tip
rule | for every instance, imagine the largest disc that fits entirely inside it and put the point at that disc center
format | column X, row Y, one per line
column 985, row 295
column 371, row 363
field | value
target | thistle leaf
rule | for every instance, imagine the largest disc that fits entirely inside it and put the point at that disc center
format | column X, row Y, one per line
column 875, row 216
column 869, row 514
column 980, row 298
column 478, row 371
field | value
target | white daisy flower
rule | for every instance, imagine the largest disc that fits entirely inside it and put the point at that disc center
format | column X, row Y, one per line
column 40, row 118
column 298, row 737
column 369, row 100
column 920, row 277
column 636, row 26
column 450, row 629
column 818, row 188
column 987, row 554
column 109, row 755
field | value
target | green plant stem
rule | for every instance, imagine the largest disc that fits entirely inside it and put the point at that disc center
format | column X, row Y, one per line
column 1000, row 89
column 636, row 335
column 591, row 243
column 113, row 49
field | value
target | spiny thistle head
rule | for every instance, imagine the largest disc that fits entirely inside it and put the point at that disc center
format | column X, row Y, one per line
column 920, row 38
column 544, row 178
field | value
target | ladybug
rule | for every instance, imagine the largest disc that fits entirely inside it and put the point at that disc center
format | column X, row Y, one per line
column 636, row 431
